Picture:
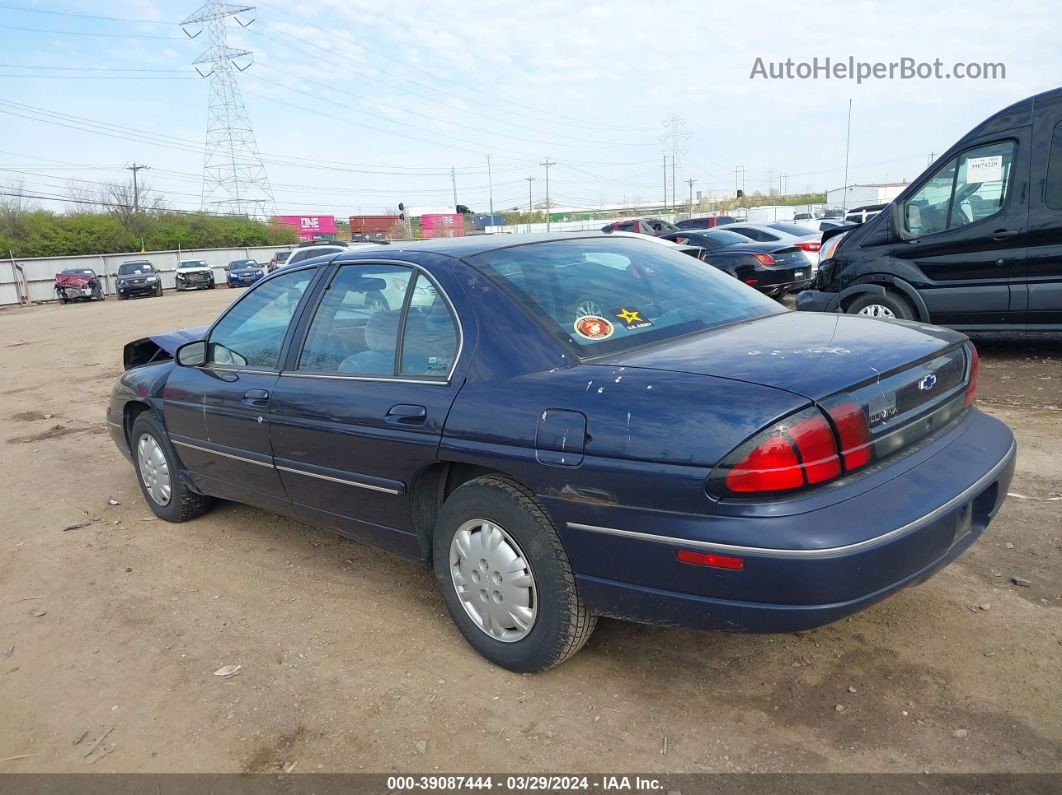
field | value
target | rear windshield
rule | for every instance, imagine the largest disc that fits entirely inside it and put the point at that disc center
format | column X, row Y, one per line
column 613, row 294
column 792, row 229
column 725, row 238
column 127, row 268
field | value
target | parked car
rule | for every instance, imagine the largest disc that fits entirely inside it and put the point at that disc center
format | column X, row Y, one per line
column 694, row 454
column 243, row 272
column 705, row 222
column 78, row 284
column 137, row 277
column 277, row 260
column 641, row 226
column 772, row 268
column 860, row 215
column 972, row 243
column 320, row 248
column 822, row 225
column 793, row 234
column 194, row 274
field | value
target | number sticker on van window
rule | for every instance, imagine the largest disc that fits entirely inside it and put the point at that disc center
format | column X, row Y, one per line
column 984, row 169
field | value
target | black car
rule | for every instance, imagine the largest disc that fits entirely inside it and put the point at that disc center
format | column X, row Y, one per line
column 705, row 222
column 138, row 277
column 772, row 268
column 974, row 243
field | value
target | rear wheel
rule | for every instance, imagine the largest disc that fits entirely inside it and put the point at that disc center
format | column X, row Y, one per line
column 505, row 578
column 156, row 468
column 885, row 307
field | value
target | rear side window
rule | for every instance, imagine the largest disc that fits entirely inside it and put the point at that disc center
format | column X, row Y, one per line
column 1053, row 186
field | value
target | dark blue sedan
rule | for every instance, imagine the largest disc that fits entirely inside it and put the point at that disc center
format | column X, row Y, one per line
column 243, row 272
column 568, row 427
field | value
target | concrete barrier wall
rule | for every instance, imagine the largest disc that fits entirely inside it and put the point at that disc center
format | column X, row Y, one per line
column 40, row 271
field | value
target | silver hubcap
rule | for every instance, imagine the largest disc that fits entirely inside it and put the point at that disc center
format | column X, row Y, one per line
column 493, row 580
column 877, row 310
column 154, row 469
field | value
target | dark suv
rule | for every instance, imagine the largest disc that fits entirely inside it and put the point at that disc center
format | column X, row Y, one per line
column 974, row 243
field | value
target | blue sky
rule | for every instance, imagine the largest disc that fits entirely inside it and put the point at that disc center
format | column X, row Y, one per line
column 394, row 94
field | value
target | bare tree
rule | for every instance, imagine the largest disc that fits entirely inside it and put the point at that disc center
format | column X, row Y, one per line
column 84, row 197
column 118, row 199
column 13, row 207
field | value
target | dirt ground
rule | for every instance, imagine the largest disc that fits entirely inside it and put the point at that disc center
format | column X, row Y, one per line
column 111, row 632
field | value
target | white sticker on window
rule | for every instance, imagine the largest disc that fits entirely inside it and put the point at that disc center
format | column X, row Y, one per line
column 984, row 169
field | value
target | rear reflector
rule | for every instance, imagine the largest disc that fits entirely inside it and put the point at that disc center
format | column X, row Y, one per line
column 710, row 559
column 971, row 385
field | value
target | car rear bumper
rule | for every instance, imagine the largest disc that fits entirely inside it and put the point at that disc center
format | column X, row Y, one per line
column 800, row 570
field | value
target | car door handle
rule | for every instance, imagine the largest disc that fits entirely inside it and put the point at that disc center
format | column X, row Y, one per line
column 256, row 397
column 406, row 414
column 1004, row 234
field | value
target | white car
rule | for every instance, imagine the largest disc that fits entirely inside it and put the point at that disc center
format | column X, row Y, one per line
column 194, row 274
column 820, row 225
column 803, row 238
column 304, row 252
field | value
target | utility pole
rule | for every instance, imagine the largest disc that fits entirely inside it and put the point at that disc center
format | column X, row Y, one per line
column 674, row 206
column 847, row 150
column 770, row 180
column 547, row 163
column 530, row 202
column 932, row 157
column 490, row 187
column 453, row 182
column 665, row 182
column 690, row 182
column 136, row 190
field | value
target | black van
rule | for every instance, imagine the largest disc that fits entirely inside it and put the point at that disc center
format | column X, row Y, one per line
column 974, row 243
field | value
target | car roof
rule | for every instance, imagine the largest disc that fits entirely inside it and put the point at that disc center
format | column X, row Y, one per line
column 478, row 244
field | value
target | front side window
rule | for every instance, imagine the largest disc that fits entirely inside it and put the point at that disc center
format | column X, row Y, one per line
column 252, row 332
column 967, row 188
column 604, row 295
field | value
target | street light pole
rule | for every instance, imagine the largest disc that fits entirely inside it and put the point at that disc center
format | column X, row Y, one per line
column 490, row 186
column 847, row 149
column 530, row 202
column 690, row 182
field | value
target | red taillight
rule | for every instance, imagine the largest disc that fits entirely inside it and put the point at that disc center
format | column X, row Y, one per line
column 766, row 259
column 971, row 385
column 710, row 559
column 854, row 434
column 752, row 281
column 793, row 453
column 813, row 245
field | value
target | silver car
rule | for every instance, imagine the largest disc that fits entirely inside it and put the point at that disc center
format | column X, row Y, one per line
column 807, row 241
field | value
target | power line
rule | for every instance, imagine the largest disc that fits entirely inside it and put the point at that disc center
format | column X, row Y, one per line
column 82, row 68
column 86, row 33
column 28, row 10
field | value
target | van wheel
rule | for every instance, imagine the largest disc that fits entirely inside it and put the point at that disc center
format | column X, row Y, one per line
column 505, row 578
column 884, row 307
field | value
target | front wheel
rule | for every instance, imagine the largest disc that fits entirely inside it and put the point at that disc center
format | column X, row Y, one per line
column 505, row 578
column 158, row 291
column 884, row 307
column 156, row 470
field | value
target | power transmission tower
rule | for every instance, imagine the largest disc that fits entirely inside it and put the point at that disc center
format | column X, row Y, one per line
column 234, row 177
column 136, row 189
column 547, row 163
column 676, row 132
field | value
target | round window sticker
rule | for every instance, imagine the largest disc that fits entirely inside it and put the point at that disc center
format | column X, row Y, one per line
column 593, row 327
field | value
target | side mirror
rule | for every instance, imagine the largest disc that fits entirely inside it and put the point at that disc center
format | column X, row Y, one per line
column 192, row 354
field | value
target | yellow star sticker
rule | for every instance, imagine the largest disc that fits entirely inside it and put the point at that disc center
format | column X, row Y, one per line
column 629, row 316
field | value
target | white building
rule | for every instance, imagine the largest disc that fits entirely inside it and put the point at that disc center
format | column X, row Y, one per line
column 858, row 195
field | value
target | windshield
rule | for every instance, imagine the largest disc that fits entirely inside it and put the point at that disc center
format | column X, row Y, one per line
column 613, row 294
column 128, row 268
column 80, row 272
column 242, row 263
column 191, row 263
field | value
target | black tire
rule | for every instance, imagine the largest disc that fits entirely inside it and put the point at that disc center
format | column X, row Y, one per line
column 562, row 623
column 896, row 304
column 184, row 504
column 122, row 297
column 158, row 291
column 212, row 286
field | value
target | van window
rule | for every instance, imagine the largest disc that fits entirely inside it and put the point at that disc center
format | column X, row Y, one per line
column 965, row 189
column 1053, row 187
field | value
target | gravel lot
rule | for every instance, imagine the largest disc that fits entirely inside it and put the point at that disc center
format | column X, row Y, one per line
column 110, row 633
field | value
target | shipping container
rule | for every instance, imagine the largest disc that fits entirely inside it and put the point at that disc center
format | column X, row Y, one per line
column 310, row 227
column 442, row 225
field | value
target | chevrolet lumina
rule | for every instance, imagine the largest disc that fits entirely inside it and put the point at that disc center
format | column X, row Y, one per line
column 573, row 426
